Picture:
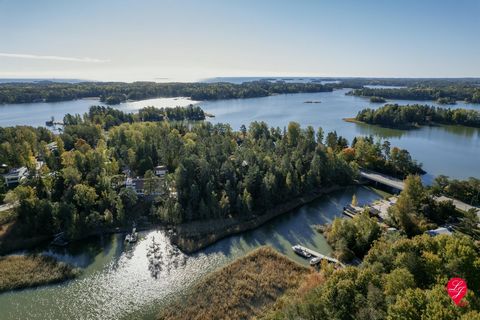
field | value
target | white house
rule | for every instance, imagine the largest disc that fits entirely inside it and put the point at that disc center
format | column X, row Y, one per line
column 161, row 171
column 15, row 176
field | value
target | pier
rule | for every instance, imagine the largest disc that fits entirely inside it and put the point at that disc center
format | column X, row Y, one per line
column 316, row 254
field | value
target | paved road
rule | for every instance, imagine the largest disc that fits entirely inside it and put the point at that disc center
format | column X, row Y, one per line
column 458, row 204
column 383, row 179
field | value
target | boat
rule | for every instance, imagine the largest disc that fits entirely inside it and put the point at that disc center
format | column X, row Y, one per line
column 132, row 237
column 60, row 240
column 301, row 252
column 315, row 260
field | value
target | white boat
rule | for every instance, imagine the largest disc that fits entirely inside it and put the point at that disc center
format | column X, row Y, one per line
column 301, row 252
column 315, row 261
column 132, row 237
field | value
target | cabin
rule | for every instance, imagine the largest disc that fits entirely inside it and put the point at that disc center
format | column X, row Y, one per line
column 142, row 187
column 136, row 184
column 15, row 176
column 160, row 171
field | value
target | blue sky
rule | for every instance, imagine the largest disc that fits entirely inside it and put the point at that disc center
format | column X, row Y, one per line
column 187, row 40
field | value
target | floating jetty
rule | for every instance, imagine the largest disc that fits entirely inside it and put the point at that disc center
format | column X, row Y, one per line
column 351, row 211
column 315, row 254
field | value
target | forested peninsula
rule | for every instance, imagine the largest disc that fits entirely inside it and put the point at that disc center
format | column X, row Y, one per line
column 442, row 94
column 117, row 92
column 411, row 116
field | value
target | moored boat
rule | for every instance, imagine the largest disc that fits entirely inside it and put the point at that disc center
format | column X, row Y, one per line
column 301, row 252
column 132, row 237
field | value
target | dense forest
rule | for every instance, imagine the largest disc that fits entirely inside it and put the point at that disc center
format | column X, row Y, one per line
column 443, row 94
column 397, row 116
column 399, row 279
column 116, row 92
column 215, row 172
column 380, row 156
column 108, row 117
column 402, row 275
column 359, row 83
column 415, row 212
column 376, row 99
column 445, row 91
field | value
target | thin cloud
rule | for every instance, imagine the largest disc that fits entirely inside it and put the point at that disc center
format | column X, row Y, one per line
column 56, row 58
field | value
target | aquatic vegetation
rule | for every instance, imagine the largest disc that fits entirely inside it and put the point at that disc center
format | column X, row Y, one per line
column 18, row 272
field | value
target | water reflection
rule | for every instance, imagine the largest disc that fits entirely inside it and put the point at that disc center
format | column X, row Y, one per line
column 117, row 280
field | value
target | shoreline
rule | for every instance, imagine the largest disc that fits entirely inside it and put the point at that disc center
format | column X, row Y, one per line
column 407, row 127
column 19, row 272
column 197, row 235
column 188, row 237
column 403, row 128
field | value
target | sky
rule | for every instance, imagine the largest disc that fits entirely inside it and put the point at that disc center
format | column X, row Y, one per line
column 186, row 40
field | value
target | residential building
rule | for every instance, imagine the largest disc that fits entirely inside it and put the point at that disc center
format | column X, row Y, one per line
column 136, row 184
column 15, row 176
column 161, row 171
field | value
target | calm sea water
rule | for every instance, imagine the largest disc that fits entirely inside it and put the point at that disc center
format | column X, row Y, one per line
column 36, row 114
column 449, row 150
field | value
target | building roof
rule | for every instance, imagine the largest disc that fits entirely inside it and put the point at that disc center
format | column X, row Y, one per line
column 439, row 231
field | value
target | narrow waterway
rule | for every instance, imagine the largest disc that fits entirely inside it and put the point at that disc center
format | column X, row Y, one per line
column 117, row 283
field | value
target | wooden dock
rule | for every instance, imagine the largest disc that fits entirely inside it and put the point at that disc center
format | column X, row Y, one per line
column 348, row 213
column 322, row 256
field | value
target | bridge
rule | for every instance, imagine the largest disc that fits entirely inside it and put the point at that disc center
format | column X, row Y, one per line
column 400, row 185
column 383, row 179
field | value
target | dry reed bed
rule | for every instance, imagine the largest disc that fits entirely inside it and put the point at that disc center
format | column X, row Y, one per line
column 240, row 290
column 18, row 272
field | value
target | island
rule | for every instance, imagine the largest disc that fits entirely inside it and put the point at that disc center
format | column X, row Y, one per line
column 443, row 92
column 446, row 100
column 376, row 99
column 413, row 116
